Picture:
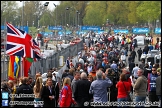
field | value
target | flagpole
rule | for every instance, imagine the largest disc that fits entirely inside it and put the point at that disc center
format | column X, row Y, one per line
column 5, row 45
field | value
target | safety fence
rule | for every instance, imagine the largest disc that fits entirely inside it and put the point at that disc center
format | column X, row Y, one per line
column 44, row 64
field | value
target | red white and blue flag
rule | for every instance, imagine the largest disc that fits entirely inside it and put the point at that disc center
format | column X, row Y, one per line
column 19, row 43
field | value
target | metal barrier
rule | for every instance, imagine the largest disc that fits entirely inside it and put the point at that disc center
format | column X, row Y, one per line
column 45, row 64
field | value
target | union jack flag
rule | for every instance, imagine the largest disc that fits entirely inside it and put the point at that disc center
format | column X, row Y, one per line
column 19, row 43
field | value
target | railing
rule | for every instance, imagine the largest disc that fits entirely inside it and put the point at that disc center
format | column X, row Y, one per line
column 45, row 64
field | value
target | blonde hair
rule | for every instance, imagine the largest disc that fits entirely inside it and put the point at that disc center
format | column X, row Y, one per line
column 11, row 82
column 67, row 80
column 38, row 85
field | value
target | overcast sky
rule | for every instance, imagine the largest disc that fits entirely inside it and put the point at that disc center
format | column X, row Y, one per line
column 50, row 6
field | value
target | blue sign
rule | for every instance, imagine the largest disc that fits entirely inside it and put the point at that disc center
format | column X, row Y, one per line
column 141, row 30
column 46, row 33
column 95, row 28
column 4, row 102
column 157, row 30
column 24, row 28
column 5, row 95
column 121, row 31
column 54, row 28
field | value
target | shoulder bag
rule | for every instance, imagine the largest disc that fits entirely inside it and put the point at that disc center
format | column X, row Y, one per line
column 128, row 96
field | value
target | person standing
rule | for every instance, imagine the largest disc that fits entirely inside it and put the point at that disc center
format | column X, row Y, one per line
column 123, row 88
column 140, row 87
column 133, row 53
column 48, row 94
column 24, row 88
column 73, row 83
column 66, row 99
column 81, row 93
column 135, row 71
column 139, row 51
column 99, row 87
column 37, row 90
column 152, row 85
column 158, row 88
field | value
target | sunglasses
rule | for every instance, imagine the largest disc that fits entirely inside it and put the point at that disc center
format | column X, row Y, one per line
column 153, row 70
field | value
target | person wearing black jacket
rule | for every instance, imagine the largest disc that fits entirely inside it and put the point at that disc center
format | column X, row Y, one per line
column 139, row 51
column 81, row 93
column 133, row 53
column 131, row 66
column 24, row 88
column 146, row 70
column 55, row 89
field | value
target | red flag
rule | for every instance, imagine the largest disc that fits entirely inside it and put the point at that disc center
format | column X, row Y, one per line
column 26, row 64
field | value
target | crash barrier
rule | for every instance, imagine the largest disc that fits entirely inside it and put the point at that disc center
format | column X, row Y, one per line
column 153, row 56
column 43, row 65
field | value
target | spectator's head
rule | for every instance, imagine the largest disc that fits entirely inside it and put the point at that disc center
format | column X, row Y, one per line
column 159, row 71
column 25, row 80
column 4, row 86
column 154, row 70
column 37, row 75
column 71, row 71
column 49, row 81
column 49, row 75
column 99, row 74
column 10, row 84
column 146, row 65
column 90, row 78
column 137, row 65
column 83, row 75
column 30, row 80
column 122, row 77
column 67, row 80
column 140, row 72
column 77, row 75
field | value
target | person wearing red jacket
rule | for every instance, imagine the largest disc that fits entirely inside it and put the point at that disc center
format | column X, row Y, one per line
column 66, row 99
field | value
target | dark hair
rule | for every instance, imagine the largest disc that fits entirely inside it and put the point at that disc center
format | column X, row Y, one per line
column 77, row 72
column 25, row 80
column 49, row 75
column 136, row 64
column 123, row 77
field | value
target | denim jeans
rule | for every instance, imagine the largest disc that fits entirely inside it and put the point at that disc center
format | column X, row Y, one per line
column 121, row 100
column 140, row 99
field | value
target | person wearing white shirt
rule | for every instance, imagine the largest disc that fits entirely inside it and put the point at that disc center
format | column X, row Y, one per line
column 81, row 60
column 123, row 57
column 135, row 70
column 89, row 68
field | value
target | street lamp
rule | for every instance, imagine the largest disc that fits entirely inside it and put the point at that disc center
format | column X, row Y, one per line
column 65, row 19
column 45, row 5
column 56, row 13
column 22, row 14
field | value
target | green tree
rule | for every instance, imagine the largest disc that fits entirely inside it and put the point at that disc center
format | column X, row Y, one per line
column 95, row 16
column 149, row 10
column 8, row 11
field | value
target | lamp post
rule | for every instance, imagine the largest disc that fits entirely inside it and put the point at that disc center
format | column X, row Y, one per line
column 78, row 24
column 22, row 23
column 56, row 13
column 65, row 19
column 45, row 5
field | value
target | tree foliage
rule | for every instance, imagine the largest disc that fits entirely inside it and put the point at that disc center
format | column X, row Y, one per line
column 91, row 12
column 149, row 10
